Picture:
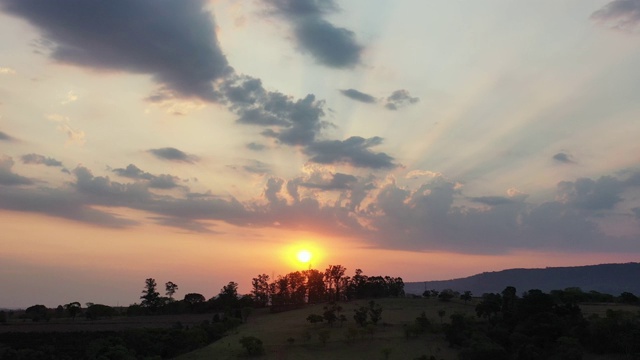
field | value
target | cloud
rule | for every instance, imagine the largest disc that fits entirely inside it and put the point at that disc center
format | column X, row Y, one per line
column 7, row 176
column 492, row 200
column 354, row 151
column 174, row 41
column 173, row 154
column 359, row 96
column 64, row 126
column 399, row 99
column 6, row 71
column 429, row 216
column 619, row 15
column 5, row 137
column 415, row 174
column 330, row 45
column 257, row 167
column 40, row 160
column 338, row 181
column 585, row 193
column 69, row 98
column 255, row 146
column 289, row 121
column 163, row 181
column 563, row 158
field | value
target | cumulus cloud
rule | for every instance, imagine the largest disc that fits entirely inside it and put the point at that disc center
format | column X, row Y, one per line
column 338, row 181
column 415, row 174
column 589, row 194
column 7, row 176
column 163, row 181
column 492, row 200
column 359, row 96
column 619, row 14
column 289, row 121
column 173, row 154
column 400, row 98
column 173, row 41
column 330, row 45
column 354, row 151
column 563, row 158
column 257, row 167
column 69, row 98
column 40, row 160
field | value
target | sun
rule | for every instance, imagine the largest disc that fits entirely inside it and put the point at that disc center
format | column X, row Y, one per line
column 304, row 256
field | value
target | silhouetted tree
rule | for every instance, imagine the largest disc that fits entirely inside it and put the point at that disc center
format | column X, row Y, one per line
column 375, row 312
column 150, row 297
column 170, row 289
column 332, row 277
column 315, row 286
column 260, row 290
column 194, row 298
column 73, row 309
column 466, row 296
column 228, row 296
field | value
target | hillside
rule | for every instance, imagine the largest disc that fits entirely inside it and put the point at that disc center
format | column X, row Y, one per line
column 605, row 278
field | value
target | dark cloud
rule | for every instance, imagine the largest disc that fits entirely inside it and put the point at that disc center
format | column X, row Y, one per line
column 255, row 146
column 174, row 41
column 290, row 121
column 354, row 151
column 185, row 224
column 339, row 181
column 359, row 96
column 619, row 14
column 492, row 200
column 400, row 98
column 633, row 179
column 40, row 159
column 330, row 45
column 163, row 181
column 563, row 158
column 173, row 154
column 636, row 211
column 5, row 137
column 60, row 203
column 7, row 176
column 585, row 193
column 303, row 8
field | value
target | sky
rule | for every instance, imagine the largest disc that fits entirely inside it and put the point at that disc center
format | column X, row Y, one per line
column 202, row 142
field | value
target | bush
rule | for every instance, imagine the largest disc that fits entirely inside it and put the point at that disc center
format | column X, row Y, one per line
column 252, row 345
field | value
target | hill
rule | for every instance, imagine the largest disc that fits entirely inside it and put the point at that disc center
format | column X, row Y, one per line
column 605, row 278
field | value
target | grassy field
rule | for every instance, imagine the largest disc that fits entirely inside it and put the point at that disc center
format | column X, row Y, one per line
column 275, row 330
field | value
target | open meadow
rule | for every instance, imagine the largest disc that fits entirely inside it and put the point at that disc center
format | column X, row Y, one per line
column 289, row 335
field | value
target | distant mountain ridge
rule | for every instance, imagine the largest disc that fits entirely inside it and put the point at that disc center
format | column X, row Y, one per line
column 605, row 278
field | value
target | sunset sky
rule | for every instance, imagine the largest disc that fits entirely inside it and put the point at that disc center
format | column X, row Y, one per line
column 203, row 142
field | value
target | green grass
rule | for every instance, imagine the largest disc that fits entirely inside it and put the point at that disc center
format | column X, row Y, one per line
column 275, row 330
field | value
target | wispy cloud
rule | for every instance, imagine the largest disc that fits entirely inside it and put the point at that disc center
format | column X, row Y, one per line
column 173, row 154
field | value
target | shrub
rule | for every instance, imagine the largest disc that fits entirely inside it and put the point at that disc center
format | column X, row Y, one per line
column 252, row 345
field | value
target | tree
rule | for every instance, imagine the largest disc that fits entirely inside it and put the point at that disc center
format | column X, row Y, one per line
column 375, row 312
column 260, row 290
column 150, row 297
column 73, row 309
column 229, row 294
column 332, row 276
column 171, row 289
column 315, row 285
column 466, row 296
column 194, row 298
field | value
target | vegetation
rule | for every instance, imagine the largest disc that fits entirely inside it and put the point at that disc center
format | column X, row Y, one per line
column 314, row 307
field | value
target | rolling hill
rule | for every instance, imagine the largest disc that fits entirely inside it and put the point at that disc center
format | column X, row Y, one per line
column 605, row 278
